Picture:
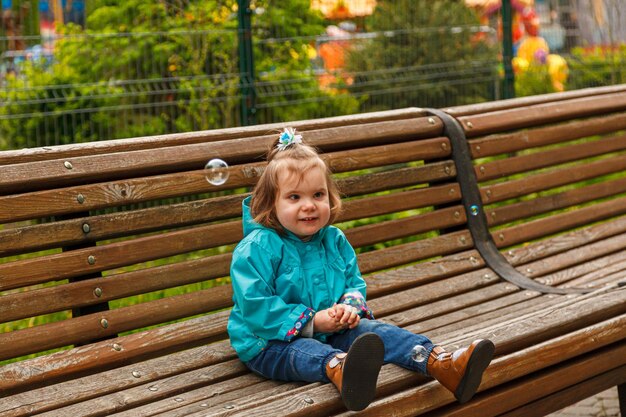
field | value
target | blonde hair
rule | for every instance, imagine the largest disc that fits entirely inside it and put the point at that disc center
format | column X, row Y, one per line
column 297, row 159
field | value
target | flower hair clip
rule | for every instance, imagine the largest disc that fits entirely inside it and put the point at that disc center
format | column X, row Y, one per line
column 288, row 138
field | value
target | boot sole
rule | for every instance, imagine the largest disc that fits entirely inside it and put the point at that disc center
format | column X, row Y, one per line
column 478, row 362
column 360, row 371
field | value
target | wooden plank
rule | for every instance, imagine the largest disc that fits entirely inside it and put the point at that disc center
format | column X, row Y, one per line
column 106, row 167
column 60, row 366
column 159, row 141
column 516, row 211
column 83, row 293
column 397, row 178
column 135, row 396
column 481, row 124
column 575, row 256
column 556, row 178
column 586, row 272
column 108, row 226
column 201, row 399
column 408, row 226
column 117, row 193
column 571, row 395
column 135, row 190
column 62, row 233
column 413, row 251
column 322, row 401
column 502, row 143
column 401, row 201
column 412, row 314
column 517, row 102
column 89, row 327
column 70, row 264
column 559, row 222
column 418, row 400
column 547, row 387
column 550, row 158
column 91, row 386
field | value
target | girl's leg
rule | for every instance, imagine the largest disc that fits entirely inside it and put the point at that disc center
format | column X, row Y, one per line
column 399, row 343
column 459, row 371
column 303, row 359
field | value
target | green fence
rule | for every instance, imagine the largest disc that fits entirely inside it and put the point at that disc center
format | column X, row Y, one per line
column 143, row 67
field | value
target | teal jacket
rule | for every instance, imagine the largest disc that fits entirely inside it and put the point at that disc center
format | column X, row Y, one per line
column 279, row 282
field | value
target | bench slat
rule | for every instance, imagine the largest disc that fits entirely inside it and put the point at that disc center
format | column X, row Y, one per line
column 82, row 293
column 110, row 194
column 542, row 113
column 156, row 142
column 107, row 167
column 429, row 395
column 107, row 226
column 491, row 106
column 507, row 368
column 88, row 387
column 63, row 233
column 571, row 395
column 524, row 163
column 516, row 211
column 556, row 178
column 502, row 143
column 81, row 329
column 75, row 263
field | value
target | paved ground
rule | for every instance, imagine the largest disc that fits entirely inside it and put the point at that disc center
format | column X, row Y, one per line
column 604, row 404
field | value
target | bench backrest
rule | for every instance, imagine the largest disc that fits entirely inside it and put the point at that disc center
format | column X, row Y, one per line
column 120, row 238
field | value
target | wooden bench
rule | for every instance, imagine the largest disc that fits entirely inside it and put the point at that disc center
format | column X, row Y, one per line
column 115, row 258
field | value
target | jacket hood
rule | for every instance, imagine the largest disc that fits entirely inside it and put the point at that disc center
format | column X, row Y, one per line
column 249, row 225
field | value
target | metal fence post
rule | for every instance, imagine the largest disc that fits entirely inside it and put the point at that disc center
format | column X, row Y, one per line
column 246, row 64
column 507, row 50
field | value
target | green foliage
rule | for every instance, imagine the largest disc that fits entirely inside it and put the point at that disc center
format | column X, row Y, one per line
column 144, row 68
column 424, row 52
column 597, row 66
column 534, row 80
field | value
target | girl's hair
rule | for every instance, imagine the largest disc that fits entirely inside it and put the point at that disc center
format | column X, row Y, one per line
column 297, row 159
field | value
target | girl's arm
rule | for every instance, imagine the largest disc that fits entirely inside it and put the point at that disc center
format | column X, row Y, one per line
column 355, row 291
column 267, row 315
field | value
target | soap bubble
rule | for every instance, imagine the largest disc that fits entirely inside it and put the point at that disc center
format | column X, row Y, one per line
column 419, row 353
column 216, row 171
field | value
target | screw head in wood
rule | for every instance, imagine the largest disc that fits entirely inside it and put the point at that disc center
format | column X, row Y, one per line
column 68, row 165
column 104, row 323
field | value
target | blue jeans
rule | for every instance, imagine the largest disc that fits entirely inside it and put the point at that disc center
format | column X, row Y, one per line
column 305, row 359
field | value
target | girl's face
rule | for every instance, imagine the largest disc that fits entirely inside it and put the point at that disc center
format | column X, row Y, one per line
column 303, row 205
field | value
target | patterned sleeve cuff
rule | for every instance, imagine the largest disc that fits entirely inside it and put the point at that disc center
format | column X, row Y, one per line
column 299, row 325
column 356, row 299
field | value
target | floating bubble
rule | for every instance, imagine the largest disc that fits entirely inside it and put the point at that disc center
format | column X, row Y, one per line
column 474, row 210
column 419, row 353
column 216, row 171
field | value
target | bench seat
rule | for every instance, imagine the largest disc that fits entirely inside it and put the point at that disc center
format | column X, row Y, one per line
column 551, row 172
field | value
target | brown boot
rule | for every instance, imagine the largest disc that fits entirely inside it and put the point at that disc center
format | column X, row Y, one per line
column 355, row 373
column 462, row 370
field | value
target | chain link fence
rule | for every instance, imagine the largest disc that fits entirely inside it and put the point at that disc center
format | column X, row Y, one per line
column 147, row 67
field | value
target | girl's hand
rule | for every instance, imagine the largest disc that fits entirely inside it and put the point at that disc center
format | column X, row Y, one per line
column 347, row 316
column 325, row 321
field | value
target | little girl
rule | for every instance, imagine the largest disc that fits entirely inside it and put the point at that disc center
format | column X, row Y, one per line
column 300, row 312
